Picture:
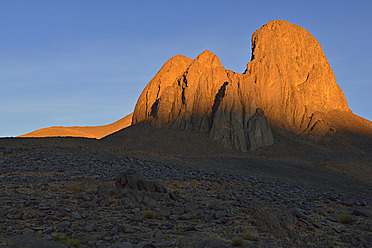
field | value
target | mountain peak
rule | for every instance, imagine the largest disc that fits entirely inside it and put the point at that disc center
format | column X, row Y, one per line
column 288, row 84
column 207, row 57
column 287, row 81
column 290, row 68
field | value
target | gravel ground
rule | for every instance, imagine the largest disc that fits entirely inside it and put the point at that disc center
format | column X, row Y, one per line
column 60, row 196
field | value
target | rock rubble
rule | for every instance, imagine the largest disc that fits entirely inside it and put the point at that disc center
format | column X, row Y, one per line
column 71, row 196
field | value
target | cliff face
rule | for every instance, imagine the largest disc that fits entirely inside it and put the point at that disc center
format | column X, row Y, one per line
column 169, row 72
column 202, row 98
column 294, row 77
column 288, row 80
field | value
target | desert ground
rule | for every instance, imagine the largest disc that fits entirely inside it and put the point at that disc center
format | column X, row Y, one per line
column 160, row 187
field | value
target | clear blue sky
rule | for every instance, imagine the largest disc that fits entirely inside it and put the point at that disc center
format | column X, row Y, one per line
column 85, row 62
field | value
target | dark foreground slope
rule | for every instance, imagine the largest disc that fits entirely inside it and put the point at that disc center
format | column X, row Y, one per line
column 58, row 191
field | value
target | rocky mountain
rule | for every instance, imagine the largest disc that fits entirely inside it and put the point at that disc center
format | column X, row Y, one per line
column 204, row 98
column 293, row 75
column 96, row 132
column 288, row 84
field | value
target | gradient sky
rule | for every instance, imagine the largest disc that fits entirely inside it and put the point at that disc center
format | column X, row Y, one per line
column 85, row 62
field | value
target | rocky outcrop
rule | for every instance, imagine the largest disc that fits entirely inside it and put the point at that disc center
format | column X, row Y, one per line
column 199, row 100
column 289, row 79
column 293, row 75
column 132, row 179
column 149, row 98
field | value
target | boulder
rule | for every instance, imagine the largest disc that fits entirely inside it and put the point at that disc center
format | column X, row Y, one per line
column 132, row 179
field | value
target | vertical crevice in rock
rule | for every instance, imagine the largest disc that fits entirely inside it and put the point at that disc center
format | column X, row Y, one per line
column 157, row 94
column 154, row 109
column 217, row 101
column 146, row 106
column 184, row 86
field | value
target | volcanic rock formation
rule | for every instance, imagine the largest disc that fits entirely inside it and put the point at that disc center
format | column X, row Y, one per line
column 288, row 84
column 195, row 97
column 289, row 79
column 293, row 75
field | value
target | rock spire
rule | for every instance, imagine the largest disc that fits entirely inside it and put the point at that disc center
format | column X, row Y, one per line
column 287, row 82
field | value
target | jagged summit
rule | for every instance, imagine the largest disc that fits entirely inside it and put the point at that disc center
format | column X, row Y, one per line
column 289, row 79
column 203, row 98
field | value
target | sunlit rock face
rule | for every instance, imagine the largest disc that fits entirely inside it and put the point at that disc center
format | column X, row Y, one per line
column 169, row 72
column 287, row 82
column 202, row 99
column 293, row 75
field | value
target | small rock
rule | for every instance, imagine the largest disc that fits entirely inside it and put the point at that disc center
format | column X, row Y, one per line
column 219, row 215
column 68, row 209
column 135, row 210
column 146, row 244
column 174, row 217
column 215, row 206
column 164, row 211
column 190, row 207
column 104, row 203
column 125, row 201
column 297, row 212
column 368, row 227
column 348, row 201
column 317, row 224
column 187, row 242
column 148, row 201
column 28, row 231
column 138, row 217
column 332, row 218
column 50, row 217
column 122, row 245
column 187, row 216
column 337, row 230
column 105, row 190
column 148, row 185
column 75, row 216
column 61, row 213
column 177, row 211
column 362, row 212
column 48, row 230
